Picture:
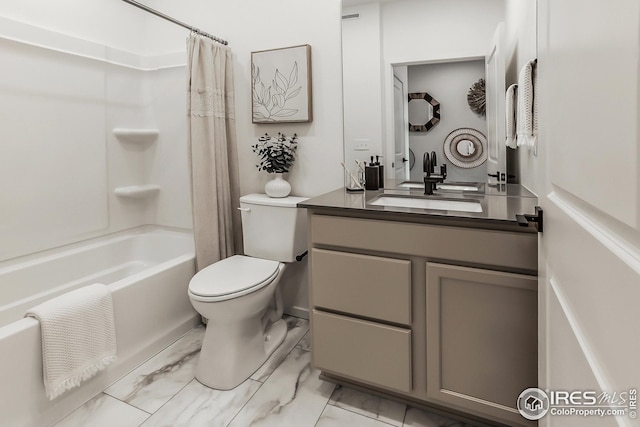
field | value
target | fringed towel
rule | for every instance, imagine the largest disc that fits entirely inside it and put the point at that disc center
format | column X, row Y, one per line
column 527, row 121
column 510, row 120
column 78, row 337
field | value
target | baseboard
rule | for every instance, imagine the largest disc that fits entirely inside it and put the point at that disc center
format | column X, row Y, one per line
column 301, row 312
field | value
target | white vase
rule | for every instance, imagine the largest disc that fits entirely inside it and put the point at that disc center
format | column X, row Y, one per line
column 277, row 187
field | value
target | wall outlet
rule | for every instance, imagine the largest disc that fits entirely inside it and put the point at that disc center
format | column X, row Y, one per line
column 361, row 146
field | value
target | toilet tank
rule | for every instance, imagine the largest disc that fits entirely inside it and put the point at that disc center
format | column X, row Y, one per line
column 273, row 228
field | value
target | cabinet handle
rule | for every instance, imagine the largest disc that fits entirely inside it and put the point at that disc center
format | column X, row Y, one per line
column 500, row 177
column 525, row 219
column 244, row 209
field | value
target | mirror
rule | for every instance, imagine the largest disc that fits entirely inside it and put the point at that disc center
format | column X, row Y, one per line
column 424, row 112
column 465, row 148
column 385, row 42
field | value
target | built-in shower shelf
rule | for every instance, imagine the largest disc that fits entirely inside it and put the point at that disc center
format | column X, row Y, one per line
column 137, row 191
column 138, row 136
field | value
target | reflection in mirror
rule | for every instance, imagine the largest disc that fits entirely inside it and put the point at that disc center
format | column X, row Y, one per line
column 448, row 82
column 424, row 112
column 387, row 37
column 420, row 111
column 465, row 148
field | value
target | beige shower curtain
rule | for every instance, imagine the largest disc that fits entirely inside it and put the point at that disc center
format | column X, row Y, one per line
column 213, row 155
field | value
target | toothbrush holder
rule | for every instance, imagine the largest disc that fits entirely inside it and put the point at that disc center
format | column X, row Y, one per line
column 354, row 181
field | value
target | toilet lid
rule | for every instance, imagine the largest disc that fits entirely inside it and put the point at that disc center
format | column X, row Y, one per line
column 232, row 275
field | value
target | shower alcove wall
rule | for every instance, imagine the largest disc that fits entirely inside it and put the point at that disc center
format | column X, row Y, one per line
column 139, row 141
column 83, row 121
column 91, row 133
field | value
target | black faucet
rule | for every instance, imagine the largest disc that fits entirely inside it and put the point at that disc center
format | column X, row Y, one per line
column 429, row 169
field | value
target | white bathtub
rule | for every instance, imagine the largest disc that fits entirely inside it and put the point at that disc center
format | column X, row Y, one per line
column 148, row 271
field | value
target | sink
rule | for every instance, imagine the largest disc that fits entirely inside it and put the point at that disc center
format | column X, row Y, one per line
column 447, row 186
column 458, row 186
column 425, row 203
column 411, row 184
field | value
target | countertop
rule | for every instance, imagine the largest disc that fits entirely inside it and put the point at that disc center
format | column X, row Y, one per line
column 499, row 206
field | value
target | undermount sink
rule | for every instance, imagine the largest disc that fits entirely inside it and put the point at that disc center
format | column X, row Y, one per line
column 425, row 203
column 448, row 186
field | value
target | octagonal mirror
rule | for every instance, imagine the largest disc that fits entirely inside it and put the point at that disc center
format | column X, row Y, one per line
column 424, row 112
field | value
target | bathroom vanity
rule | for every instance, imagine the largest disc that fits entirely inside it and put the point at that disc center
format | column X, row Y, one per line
column 435, row 307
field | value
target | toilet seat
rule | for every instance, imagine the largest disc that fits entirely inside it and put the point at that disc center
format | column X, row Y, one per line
column 232, row 277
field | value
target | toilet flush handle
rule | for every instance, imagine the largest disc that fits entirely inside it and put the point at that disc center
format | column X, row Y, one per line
column 244, row 209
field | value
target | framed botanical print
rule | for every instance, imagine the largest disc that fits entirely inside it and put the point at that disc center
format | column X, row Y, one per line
column 281, row 85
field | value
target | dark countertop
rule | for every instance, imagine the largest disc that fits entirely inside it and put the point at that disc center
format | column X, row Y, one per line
column 499, row 206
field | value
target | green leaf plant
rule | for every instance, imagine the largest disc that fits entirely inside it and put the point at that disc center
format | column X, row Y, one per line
column 276, row 154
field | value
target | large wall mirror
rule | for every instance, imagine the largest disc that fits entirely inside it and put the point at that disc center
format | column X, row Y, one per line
column 392, row 48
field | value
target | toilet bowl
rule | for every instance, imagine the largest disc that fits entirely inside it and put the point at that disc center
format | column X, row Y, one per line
column 234, row 295
column 240, row 297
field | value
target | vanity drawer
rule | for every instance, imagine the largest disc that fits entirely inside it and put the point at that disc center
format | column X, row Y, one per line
column 366, row 351
column 508, row 249
column 368, row 286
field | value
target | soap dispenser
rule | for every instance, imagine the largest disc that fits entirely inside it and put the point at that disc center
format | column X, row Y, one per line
column 371, row 176
column 380, row 172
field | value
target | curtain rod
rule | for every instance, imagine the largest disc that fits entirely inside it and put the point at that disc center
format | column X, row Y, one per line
column 175, row 21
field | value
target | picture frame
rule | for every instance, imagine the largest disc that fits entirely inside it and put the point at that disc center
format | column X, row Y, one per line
column 281, row 85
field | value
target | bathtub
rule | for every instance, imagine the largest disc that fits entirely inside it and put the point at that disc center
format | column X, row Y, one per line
column 147, row 270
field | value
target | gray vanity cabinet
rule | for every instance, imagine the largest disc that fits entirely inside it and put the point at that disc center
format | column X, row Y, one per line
column 437, row 315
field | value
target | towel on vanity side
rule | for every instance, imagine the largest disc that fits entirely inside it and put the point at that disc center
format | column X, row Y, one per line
column 527, row 110
column 78, row 337
column 510, row 120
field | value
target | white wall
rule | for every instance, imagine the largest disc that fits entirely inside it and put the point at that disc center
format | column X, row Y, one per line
column 521, row 46
column 362, row 83
column 448, row 83
column 106, row 22
column 259, row 25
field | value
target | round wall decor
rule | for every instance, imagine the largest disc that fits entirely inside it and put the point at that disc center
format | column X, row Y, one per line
column 477, row 98
column 466, row 148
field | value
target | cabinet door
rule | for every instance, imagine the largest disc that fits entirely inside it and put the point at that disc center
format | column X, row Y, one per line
column 481, row 339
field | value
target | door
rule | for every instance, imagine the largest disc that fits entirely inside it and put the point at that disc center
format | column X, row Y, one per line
column 400, row 126
column 588, row 183
column 495, row 111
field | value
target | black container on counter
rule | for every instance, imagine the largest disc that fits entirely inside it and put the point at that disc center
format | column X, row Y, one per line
column 371, row 177
column 380, row 172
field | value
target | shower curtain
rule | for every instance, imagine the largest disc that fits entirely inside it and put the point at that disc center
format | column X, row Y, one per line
column 215, row 188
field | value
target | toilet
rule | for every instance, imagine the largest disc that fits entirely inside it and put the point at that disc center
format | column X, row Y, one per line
column 239, row 295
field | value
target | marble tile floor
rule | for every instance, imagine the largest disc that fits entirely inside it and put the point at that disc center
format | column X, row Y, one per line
column 285, row 391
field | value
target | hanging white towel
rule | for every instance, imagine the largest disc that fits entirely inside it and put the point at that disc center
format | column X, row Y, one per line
column 78, row 337
column 527, row 121
column 510, row 120
column 534, row 79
